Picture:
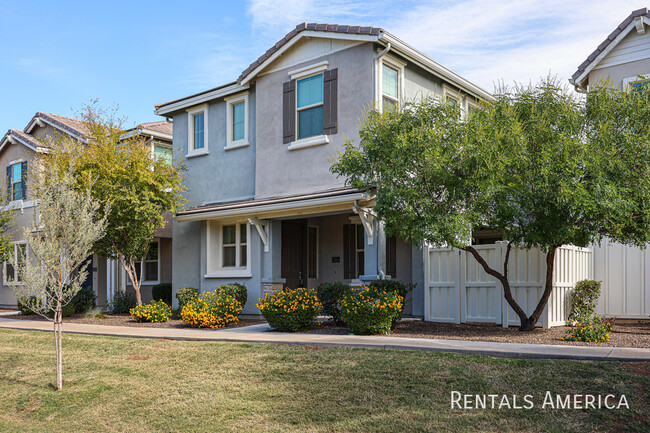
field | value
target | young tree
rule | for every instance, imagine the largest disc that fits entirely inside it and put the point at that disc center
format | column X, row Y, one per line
column 538, row 165
column 65, row 227
column 134, row 190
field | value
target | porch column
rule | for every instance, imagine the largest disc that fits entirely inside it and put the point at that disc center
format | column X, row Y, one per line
column 374, row 252
column 271, row 260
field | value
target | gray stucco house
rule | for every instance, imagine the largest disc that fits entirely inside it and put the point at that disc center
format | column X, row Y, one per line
column 263, row 208
column 18, row 151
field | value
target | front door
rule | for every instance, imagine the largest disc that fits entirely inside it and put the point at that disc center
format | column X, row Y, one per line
column 294, row 253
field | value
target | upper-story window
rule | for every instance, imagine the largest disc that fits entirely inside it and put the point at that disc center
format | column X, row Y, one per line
column 163, row 152
column 309, row 106
column 16, row 188
column 197, row 130
column 390, row 83
column 237, row 121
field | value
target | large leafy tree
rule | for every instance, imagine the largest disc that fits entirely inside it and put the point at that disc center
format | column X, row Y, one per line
column 539, row 164
column 134, row 190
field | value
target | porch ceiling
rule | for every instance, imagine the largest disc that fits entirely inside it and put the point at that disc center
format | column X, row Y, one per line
column 322, row 202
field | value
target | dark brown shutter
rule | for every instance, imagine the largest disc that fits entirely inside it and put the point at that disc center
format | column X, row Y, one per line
column 9, row 192
column 391, row 256
column 348, row 251
column 330, row 101
column 23, row 180
column 289, row 111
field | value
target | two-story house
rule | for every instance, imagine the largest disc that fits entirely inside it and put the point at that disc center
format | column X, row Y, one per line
column 622, row 60
column 264, row 208
column 19, row 149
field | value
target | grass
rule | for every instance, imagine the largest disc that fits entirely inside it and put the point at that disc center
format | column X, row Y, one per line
column 118, row 384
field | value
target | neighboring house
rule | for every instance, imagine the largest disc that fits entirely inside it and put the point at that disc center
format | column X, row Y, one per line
column 622, row 60
column 19, row 148
column 264, row 209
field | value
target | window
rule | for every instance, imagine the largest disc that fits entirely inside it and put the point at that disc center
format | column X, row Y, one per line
column 389, row 88
column 149, row 268
column 197, row 131
column 309, row 106
column 237, row 121
column 19, row 254
column 312, row 252
column 163, row 152
column 228, row 254
column 353, row 251
column 450, row 96
column 16, row 181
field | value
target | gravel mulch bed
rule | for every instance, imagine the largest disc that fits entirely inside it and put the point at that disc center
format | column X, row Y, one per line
column 126, row 320
column 624, row 334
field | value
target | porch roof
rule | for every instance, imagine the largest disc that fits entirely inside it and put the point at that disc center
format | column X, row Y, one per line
column 273, row 207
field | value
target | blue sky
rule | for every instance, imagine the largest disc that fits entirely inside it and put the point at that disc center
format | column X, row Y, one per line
column 56, row 56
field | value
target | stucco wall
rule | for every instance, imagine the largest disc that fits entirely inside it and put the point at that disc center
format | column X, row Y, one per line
column 280, row 171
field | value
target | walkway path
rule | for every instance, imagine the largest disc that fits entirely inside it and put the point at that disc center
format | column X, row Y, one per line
column 261, row 334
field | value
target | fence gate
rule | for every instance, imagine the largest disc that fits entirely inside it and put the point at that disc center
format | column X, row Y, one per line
column 458, row 290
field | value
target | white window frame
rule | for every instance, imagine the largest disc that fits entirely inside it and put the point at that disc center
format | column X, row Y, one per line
column 155, row 144
column 11, row 164
column 394, row 63
column 629, row 81
column 299, row 74
column 15, row 257
column 191, row 112
column 450, row 92
column 142, row 273
column 214, row 250
column 231, row 101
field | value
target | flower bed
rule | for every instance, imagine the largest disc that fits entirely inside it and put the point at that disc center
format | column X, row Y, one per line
column 290, row 310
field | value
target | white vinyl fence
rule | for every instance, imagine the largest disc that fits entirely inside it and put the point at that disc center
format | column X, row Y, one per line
column 625, row 291
column 458, row 290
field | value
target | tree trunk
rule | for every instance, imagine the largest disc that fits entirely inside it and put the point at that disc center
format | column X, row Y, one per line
column 129, row 268
column 526, row 323
column 58, row 329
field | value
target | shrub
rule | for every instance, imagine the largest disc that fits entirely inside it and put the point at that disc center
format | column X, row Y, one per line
column 185, row 295
column 123, row 302
column 23, row 308
column 236, row 290
column 156, row 311
column 370, row 311
column 584, row 299
column 330, row 294
column 211, row 310
column 162, row 292
column 593, row 329
column 83, row 301
column 395, row 286
column 290, row 310
column 96, row 313
column 67, row 310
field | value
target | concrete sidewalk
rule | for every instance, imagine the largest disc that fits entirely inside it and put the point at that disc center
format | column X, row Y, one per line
column 261, row 334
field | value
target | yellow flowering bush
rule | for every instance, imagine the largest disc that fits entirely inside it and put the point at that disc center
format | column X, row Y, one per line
column 211, row 310
column 290, row 310
column 370, row 311
column 594, row 329
column 157, row 311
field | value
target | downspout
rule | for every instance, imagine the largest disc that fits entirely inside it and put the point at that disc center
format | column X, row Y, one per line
column 374, row 72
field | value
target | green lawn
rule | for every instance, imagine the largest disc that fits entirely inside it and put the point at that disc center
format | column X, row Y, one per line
column 134, row 385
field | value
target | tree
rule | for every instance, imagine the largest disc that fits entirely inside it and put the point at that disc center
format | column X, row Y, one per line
column 60, row 239
column 538, row 164
column 134, row 190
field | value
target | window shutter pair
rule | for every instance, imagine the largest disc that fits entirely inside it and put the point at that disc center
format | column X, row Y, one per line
column 330, row 106
column 349, row 251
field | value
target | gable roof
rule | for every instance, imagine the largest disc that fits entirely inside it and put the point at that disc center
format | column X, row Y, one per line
column 334, row 31
column 17, row 136
column 162, row 130
column 607, row 45
column 74, row 127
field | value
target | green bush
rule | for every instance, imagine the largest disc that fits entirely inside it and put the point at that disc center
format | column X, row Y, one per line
column 370, row 310
column 584, row 299
column 290, row 310
column 330, row 294
column 24, row 309
column 185, row 295
column 156, row 311
column 162, row 292
column 83, row 301
column 122, row 303
column 236, row 290
column 594, row 329
column 211, row 310
column 395, row 286
column 67, row 310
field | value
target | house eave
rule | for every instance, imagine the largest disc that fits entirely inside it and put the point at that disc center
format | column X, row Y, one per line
column 201, row 98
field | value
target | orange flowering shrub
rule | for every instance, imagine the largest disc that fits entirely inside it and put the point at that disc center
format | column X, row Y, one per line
column 157, row 311
column 290, row 310
column 211, row 310
column 370, row 311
